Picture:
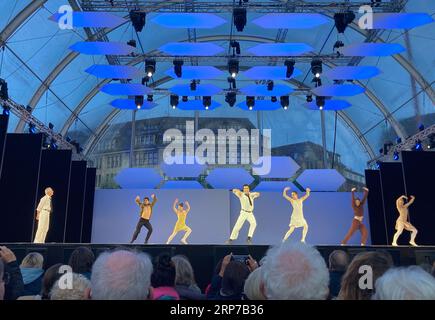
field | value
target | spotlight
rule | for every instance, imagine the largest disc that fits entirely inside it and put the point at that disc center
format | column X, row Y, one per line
column 138, row 101
column 145, row 80
column 185, row 98
column 150, row 67
column 230, row 98
column 4, row 95
column 309, row 98
column 269, row 85
column 53, row 145
column 236, row 47
column 132, row 43
column 343, row 19
column 285, row 101
column 233, row 67
column 320, row 102
column 338, row 44
column 150, row 98
column 398, row 140
column 396, row 155
column 232, row 82
column 206, row 102
column 29, row 109
column 193, row 85
column 290, row 64
column 378, row 164
column 250, row 102
column 316, row 67
column 273, row 99
column 178, row 68
column 138, row 20
column 317, row 82
column 32, row 128
column 240, row 18
column 418, row 146
column 51, row 126
column 174, row 99
column 68, row 139
column 421, row 127
column 431, row 142
column 6, row 110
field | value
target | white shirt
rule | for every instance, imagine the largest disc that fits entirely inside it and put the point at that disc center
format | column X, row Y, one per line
column 44, row 204
column 244, row 200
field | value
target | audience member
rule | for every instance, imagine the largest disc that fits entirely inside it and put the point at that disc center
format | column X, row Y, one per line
column 81, row 261
column 253, row 286
column 32, row 271
column 14, row 286
column 185, row 283
column 78, row 290
column 338, row 262
column 163, row 278
column 2, row 281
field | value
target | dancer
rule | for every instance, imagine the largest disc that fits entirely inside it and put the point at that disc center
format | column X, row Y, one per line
column 297, row 218
column 146, row 210
column 402, row 222
column 246, row 213
column 43, row 212
column 357, row 222
column 181, row 213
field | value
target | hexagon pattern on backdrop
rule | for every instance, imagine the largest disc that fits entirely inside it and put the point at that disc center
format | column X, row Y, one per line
column 229, row 178
column 280, row 167
column 138, row 178
column 321, row 179
column 275, row 186
column 183, row 170
column 182, row 185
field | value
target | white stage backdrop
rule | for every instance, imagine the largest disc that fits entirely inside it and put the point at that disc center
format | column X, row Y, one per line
column 213, row 213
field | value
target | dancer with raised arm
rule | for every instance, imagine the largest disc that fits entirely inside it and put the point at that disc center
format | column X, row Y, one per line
column 246, row 213
column 357, row 222
column 146, row 210
column 403, row 221
column 297, row 219
column 181, row 210
column 43, row 213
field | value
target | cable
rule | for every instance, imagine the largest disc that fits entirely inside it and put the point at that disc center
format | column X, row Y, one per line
column 335, row 140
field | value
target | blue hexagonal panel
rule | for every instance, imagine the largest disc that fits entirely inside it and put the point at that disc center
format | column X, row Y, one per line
column 321, row 179
column 275, row 186
column 400, row 20
column 91, row 19
column 189, row 20
column 201, row 90
column 270, row 73
column 338, row 90
column 229, row 178
column 352, row 72
column 191, row 49
column 368, row 49
column 138, row 178
column 125, row 89
column 196, row 72
column 184, row 170
column 113, row 71
column 102, row 48
column 280, row 167
column 261, row 105
column 182, row 185
column 280, row 49
column 290, row 20
column 329, row 105
column 128, row 104
column 261, row 90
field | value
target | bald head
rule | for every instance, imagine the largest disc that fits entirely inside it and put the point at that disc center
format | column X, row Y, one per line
column 338, row 260
column 121, row 275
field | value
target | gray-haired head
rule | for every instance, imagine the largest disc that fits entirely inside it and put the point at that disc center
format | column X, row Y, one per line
column 183, row 271
column 411, row 283
column 295, row 271
column 121, row 275
column 77, row 291
column 253, row 285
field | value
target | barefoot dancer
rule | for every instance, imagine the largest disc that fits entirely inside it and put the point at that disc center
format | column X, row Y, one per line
column 357, row 222
column 181, row 213
column 146, row 210
column 297, row 218
column 402, row 222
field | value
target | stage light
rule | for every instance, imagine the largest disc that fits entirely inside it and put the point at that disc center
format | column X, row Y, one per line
column 378, row 164
column 398, row 140
column 270, row 85
column 230, row 98
column 317, row 82
column 316, row 67
column 273, row 99
column 240, row 18
column 178, row 69
column 53, row 145
column 138, row 101
column 206, row 102
column 342, row 20
column 236, row 47
column 290, row 64
column 421, row 127
column 132, row 43
column 250, row 102
column 233, row 67
column 150, row 67
column 6, row 110
column 174, row 99
column 29, row 109
column 418, row 146
column 396, row 155
column 285, row 102
column 50, row 126
column 138, row 20
column 150, row 98
column 193, row 85
column 185, row 98
column 32, row 128
column 309, row 98
column 431, row 142
column 337, row 45
column 320, row 102
column 4, row 93
column 68, row 139
column 145, row 80
column 232, row 82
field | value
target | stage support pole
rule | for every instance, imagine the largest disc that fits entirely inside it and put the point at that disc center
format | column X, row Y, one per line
column 322, row 120
column 133, row 134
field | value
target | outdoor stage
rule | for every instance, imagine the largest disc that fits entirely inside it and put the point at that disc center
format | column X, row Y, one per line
column 205, row 257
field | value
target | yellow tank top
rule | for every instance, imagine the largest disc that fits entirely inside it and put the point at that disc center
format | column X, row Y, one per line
column 181, row 218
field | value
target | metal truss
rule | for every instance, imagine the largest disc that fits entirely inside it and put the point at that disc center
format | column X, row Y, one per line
column 228, row 6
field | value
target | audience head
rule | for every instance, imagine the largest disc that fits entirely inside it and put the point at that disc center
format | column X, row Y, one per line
column 253, row 285
column 2, row 282
column 81, row 260
column 121, row 275
column 377, row 261
column 51, row 275
column 79, row 289
column 164, row 271
column 295, row 271
column 426, row 267
column 338, row 260
column 33, row 260
column 433, row 269
column 234, row 278
column 184, row 274
column 411, row 283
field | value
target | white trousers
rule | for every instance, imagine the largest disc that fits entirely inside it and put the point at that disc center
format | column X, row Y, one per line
column 43, row 224
column 239, row 224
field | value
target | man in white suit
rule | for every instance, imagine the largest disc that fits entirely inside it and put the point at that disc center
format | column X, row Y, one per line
column 43, row 216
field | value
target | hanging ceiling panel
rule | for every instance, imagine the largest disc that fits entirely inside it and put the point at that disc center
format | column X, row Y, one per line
column 291, row 20
column 189, row 20
column 102, row 48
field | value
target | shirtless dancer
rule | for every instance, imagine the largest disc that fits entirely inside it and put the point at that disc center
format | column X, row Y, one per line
column 402, row 222
column 297, row 218
column 357, row 222
column 146, row 210
column 181, row 213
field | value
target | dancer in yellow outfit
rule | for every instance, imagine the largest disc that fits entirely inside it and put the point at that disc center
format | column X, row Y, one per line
column 181, row 213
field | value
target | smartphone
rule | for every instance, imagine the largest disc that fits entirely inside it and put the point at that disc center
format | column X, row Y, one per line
column 243, row 258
